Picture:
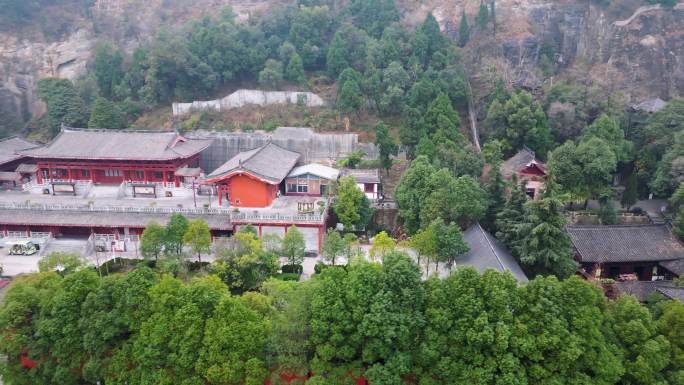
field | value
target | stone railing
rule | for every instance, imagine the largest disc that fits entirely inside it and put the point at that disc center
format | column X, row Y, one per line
column 112, row 209
column 234, row 216
column 275, row 218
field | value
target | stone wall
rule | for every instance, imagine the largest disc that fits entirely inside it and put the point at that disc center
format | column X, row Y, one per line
column 241, row 98
column 313, row 146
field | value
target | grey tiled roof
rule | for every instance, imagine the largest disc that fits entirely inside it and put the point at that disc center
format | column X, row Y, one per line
column 672, row 292
column 10, row 146
column 641, row 289
column 99, row 219
column 27, row 168
column 9, row 176
column 676, row 266
column 363, row 175
column 118, row 145
column 486, row 252
column 270, row 162
column 518, row 161
column 634, row 243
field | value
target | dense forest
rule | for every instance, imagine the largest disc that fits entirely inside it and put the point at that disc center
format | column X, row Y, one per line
column 239, row 321
column 376, row 321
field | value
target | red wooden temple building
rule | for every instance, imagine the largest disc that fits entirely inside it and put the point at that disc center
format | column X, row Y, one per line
column 525, row 166
column 114, row 156
column 253, row 178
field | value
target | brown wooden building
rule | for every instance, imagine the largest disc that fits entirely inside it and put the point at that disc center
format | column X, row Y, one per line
column 642, row 252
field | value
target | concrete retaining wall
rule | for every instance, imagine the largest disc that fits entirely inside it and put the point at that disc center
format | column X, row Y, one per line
column 314, row 147
column 241, row 98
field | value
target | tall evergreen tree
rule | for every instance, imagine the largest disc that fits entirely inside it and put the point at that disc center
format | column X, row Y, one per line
column 630, row 195
column 386, row 145
column 496, row 195
column 64, row 106
column 350, row 98
column 412, row 190
column 294, row 246
column 295, row 69
column 483, row 15
column 106, row 114
column 107, row 67
column 492, row 16
column 512, row 215
column 463, row 31
column 272, row 74
column 441, row 117
column 543, row 245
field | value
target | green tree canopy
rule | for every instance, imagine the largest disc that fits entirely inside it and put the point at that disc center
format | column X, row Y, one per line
column 385, row 143
column 294, row 246
column 272, row 75
column 64, row 263
column 106, row 114
column 383, row 245
column 542, row 245
column 460, row 200
column 351, row 205
column 108, row 69
column 64, row 106
column 608, row 128
column 520, row 122
column 483, row 15
column 441, row 116
column 175, row 230
column 334, row 246
column 584, row 170
column 198, row 237
column 413, row 189
column 295, row 69
column 152, row 240
column 463, row 31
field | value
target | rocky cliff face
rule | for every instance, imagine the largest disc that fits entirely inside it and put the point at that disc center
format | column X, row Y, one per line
column 28, row 56
column 637, row 50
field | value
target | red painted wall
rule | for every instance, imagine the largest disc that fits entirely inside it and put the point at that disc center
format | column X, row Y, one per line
column 250, row 192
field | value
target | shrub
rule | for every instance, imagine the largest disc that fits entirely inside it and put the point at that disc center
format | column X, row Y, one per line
column 637, row 210
column 288, row 277
column 320, row 266
column 295, row 269
column 607, row 214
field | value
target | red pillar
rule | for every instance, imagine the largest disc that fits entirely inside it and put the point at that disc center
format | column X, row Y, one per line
column 49, row 171
column 71, row 176
column 260, row 231
column 39, row 176
column 145, row 176
column 93, row 178
column 164, row 178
